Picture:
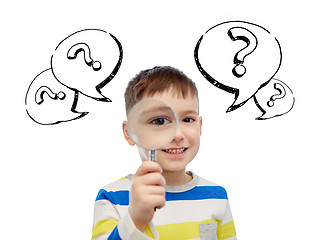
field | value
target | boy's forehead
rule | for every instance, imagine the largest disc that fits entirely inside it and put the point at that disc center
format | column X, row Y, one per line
column 177, row 101
column 172, row 91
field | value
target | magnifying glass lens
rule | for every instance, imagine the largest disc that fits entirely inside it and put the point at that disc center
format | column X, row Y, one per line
column 152, row 124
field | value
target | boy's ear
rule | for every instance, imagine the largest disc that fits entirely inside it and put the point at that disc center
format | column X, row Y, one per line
column 200, row 125
column 126, row 135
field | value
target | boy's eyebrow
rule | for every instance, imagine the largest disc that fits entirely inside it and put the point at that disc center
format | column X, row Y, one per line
column 190, row 111
column 157, row 110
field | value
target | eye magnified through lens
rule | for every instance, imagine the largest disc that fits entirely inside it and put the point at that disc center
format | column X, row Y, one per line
column 152, row 124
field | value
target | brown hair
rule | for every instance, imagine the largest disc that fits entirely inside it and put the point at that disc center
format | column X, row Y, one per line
column 157, row 80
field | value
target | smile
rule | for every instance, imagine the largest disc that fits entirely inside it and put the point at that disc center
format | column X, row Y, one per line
column 175, row 150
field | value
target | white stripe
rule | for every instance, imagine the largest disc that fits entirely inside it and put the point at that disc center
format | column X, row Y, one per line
column 121, row 184
column 104, row 210
column 190, row 211
column 127, row 230
column 125, row 184
column 204, row 182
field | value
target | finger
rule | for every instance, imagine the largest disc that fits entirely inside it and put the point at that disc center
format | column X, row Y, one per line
column 155, row 201
column 148, row 167
column 154, row 190
column 152, row 179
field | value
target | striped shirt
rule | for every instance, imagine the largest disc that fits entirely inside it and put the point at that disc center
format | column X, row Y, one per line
column 196, row 210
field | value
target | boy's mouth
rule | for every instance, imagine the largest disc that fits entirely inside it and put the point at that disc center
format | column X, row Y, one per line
column 175, row 150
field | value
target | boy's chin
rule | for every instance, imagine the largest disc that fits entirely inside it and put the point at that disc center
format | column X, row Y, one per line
column 172, row 166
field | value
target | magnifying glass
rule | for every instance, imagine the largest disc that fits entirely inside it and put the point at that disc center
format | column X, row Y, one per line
column 152, row 125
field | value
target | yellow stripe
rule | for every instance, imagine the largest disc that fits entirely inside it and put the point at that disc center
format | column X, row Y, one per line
column 179, row 231
column 103, row 227
column 149, row 232
column 226, row 231
column 176, row 231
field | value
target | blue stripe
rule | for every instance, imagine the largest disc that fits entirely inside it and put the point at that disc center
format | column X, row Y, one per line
column 114, row 234
column 116, row 198
column 197, row 193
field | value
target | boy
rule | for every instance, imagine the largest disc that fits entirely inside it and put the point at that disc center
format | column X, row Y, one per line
column 188, row 206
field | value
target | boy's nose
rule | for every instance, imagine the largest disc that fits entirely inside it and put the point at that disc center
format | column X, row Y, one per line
column 179, row 134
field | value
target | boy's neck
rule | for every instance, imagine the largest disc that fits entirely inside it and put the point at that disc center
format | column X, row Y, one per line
column 176, row 178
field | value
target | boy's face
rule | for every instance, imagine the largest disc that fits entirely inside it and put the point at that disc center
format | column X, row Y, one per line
column 184, row 147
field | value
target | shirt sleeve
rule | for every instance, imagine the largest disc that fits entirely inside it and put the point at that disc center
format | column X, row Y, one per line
column 109, row 225
column 227, row 228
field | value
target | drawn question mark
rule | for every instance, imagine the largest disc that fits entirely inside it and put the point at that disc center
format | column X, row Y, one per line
column 83, row 47
column 39, row 97
column 240, row 33
column 280, row 95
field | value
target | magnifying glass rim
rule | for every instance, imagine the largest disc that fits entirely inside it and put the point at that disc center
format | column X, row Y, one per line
column 167, row 104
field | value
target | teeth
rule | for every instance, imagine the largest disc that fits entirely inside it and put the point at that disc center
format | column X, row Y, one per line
column 180, row 150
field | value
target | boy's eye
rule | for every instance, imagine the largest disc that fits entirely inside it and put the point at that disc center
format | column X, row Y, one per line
column 160, row 121
column 187, row 120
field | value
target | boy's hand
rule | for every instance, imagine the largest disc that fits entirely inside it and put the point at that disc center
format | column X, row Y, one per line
column 147, row 192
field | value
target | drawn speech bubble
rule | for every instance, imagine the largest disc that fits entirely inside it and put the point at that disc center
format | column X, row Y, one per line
column 49, row 102
column 86, row 61
column 238, row 57
column 275, row 99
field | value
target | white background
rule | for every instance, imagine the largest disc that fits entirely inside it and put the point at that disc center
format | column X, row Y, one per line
column 275, row 171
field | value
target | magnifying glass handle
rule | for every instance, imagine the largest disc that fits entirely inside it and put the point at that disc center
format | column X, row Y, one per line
column 152, row 155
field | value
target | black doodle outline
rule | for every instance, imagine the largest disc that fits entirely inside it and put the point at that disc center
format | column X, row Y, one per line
column 221, row 86
column 73, row 107
column 246, row 40
column 61, row 95
column 264, row 112
column 281, row 90
column 108, row 79
column 43, row 92
column 91, row 62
